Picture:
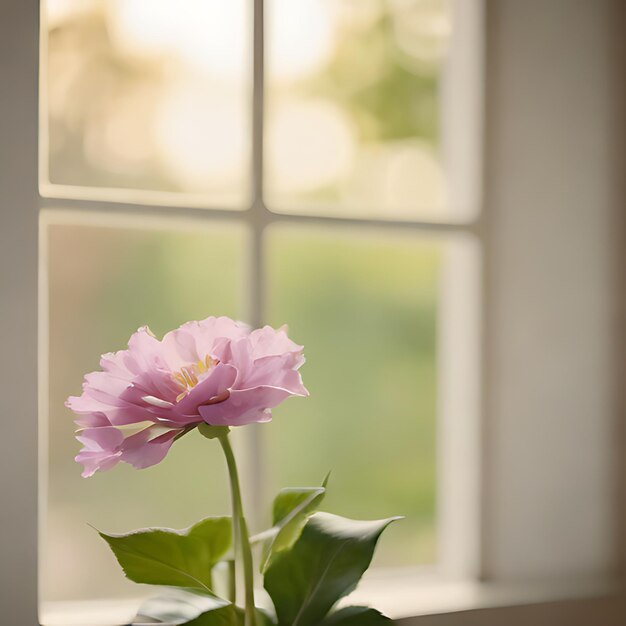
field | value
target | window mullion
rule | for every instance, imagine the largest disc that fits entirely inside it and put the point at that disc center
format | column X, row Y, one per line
column 258, row 87
column 256, row 218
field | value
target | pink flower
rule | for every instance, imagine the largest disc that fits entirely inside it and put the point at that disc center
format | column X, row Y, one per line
column 215, row 371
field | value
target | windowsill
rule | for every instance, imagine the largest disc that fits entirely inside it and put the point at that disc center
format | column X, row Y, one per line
column 417, row 595
column 411, row 596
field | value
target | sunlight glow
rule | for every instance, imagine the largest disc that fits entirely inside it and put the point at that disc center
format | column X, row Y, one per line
column 423, row 28
column 300, row 38
column 207, row 34
column 156, row 94
column 200, row 135
column 311, row 144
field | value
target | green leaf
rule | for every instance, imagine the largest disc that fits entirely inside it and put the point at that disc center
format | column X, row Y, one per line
column 292, row 507
column 324, row 564
column 178, row 606
column 262, row 617
column 212, row 432
column 356, row 616
column 179, row 558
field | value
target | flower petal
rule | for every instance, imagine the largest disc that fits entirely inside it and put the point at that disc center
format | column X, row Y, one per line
column 236, row 353
column 193, row 341
column 131, row 410
column 142, row 451
column 144, row 350
column 219, row 379
column 244, row 406
column 103, row 438
column 96, row 461
column 277, row 371
column 267, row 341
column 92, row 420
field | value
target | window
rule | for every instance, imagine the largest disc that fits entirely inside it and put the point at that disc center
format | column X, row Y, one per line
column 327, row 185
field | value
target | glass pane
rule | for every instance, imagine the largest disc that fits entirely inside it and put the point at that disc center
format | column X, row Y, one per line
column 149, row 95
column 365, row 308
column 355, row 122
column 104, row 283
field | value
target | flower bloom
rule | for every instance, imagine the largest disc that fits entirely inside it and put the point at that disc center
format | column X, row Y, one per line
column 215, row 371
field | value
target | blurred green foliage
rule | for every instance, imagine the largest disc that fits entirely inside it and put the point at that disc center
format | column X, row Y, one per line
column 386, row 98
column 363, row 304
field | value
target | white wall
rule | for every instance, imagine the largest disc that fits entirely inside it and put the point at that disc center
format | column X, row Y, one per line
column 552, row 201
column 18, row 302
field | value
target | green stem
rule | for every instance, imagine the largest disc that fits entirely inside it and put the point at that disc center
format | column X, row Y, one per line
column 240, row 531
column 232, row 582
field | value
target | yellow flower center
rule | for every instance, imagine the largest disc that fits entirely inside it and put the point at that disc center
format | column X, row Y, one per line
column 188, row 377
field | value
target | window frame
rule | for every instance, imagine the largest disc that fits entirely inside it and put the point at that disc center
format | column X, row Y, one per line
column 457, row 487
column 258, row 217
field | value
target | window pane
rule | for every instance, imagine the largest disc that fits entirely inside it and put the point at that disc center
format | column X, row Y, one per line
column 358, row 109
column 149, row 95
column 365, row 307
column 104, row 283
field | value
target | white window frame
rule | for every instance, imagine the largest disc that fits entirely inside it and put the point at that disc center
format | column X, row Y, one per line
column 529, row 309
column 458, row 323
